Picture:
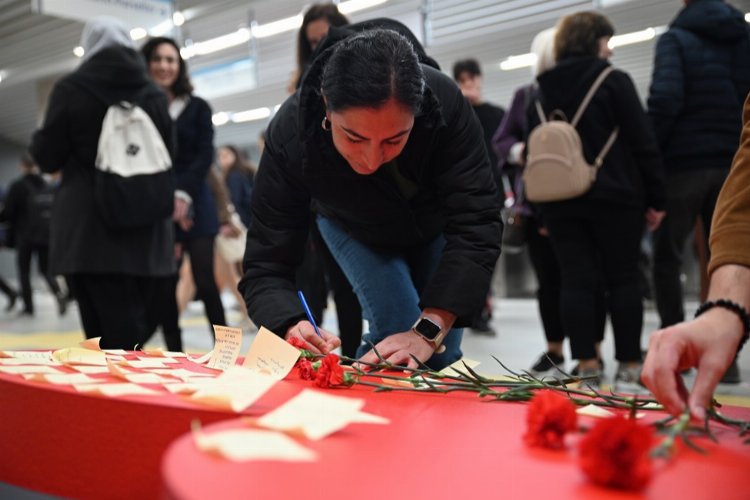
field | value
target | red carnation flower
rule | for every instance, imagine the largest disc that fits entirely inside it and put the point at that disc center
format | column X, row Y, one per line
column 306, row 371
column 550, row 416
column 615, row 453
column 330, row 373
column 296, row 342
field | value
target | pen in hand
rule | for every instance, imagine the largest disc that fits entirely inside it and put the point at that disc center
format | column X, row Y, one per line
column 308, row 313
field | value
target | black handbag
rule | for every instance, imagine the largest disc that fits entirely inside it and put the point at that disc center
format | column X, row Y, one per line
column 514, row 218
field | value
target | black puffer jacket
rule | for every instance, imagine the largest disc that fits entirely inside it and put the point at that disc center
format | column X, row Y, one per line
column 451, row 191
column 632, row 172
column 701, row 78
column 68, row 140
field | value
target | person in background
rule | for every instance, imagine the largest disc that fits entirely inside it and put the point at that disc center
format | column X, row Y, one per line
column 4, row 243
column 28, row 210
column 195, row 208
column 701, row 77
column 318, row 18
column 596, row 236
column 113, row 271
column 319, row 272
column 468, row 75
column 510, row 142
column 710, row 342
column 236, row 175
column 389, row 154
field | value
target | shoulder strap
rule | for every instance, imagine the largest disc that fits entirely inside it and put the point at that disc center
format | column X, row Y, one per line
column 540, row 111
column 594, row 87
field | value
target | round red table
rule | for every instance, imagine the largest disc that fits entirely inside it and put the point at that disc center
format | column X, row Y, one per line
column 438, row 446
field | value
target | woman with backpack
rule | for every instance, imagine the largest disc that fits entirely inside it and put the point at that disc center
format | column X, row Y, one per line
column 112, row 270
column 600, row 230
column 388, row 154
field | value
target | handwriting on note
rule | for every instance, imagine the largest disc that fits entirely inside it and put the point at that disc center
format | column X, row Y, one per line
column 226, row 348
column 271, row 354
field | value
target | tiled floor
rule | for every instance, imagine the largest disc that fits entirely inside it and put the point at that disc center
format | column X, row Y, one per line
column 518, row 343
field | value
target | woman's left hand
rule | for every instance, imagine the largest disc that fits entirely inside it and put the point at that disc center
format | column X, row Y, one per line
column 396, row 349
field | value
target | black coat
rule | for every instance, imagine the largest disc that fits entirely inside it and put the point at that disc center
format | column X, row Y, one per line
column 450, row 191
column 16, row 208
column 632, row 172
column 701, row 78
column 80, row 241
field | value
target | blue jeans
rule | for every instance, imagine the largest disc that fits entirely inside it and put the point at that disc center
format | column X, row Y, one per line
column 388, row 284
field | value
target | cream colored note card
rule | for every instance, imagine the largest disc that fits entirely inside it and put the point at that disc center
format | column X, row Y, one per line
column 362, row 417
column 159, row 352
column 271, row 354
column 226, row 348
column 61, row 378
column 136, row 378
column 91, row 344
column 143, row 363
column 252, row 444
column 202, row 359
column 315, row 414
column 124, row 389
column 31, row 357
column 29, row 361
column 235, row 389
column 449, row 370
column 182, row 373
column 90, row 369
column 20, row 370
column 115, row 352
column 79, row 356
column 599, row 412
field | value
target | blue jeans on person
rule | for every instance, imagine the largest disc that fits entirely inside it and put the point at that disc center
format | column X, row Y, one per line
column 388, row 284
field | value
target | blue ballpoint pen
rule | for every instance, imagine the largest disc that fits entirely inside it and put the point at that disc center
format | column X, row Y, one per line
column 307, row 311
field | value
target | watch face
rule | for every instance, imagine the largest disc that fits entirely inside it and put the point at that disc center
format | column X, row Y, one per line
column 427, row 328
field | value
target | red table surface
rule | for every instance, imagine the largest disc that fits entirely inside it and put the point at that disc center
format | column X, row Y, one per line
column 56, row 440
column 444, row 446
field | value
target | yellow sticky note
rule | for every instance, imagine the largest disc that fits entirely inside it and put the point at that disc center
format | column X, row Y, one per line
column 226, row 348
column 79, row 356
column 235, row 389
column 91, row 344
column 449, row 370
column 20, row 370
column 314, row 414
column 252, row 444
column 271, row 354
column 29, row 357
column 61, row 378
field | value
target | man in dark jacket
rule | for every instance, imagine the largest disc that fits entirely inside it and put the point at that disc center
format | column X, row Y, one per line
column 27, row 212
column 700, row 80
column 111, row 270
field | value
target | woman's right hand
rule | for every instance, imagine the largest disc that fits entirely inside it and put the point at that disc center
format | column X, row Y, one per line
column 304, row 330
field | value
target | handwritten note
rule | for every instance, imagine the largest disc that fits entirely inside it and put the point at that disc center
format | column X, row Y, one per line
column 30, row 357
column 125, row 389
column 226, row 348
column 449, row 370
column 235, row 389
column 252, row 444
column 316, row 414
column 79, row 356
column 271, row 354
column 61, row 378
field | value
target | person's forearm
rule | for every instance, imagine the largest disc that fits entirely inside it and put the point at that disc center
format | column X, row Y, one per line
column 731, row 282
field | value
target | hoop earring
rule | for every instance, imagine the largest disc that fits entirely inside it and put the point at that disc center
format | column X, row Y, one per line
column 326, row 124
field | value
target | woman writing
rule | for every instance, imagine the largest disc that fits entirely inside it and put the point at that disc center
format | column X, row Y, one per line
column 388, row 154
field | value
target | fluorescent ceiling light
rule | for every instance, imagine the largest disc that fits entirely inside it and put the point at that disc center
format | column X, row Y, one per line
column 356, row 5
column 138, row 33
column 178, row 18
column 220, row 118
column 520, row 61
column 78, row 51
column 250, row 115
column 239, row 37
column 636, row 37
column 276, row 27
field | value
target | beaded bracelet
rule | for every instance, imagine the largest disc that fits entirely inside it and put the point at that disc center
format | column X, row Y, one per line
column 735, row 308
